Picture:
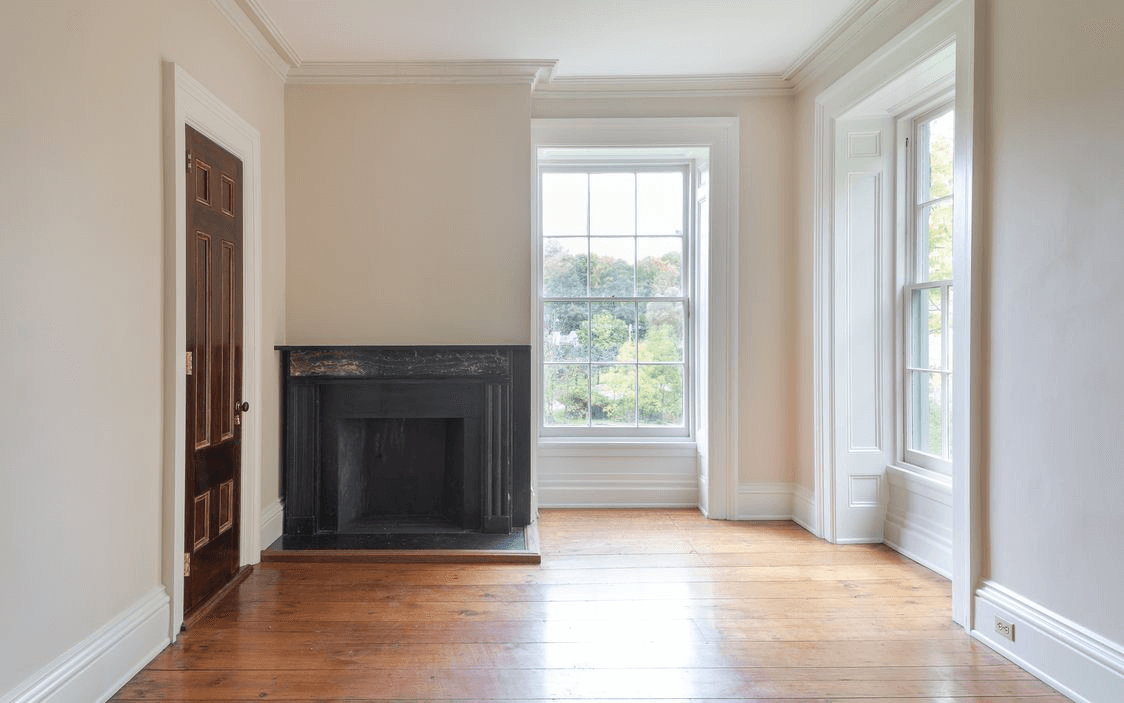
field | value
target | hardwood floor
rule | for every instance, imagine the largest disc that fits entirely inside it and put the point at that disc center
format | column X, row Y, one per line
column 626, row 606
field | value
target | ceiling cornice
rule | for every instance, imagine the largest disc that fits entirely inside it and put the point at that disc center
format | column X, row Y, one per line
column 829, row 35
column 270, row 31
column 716, row 86
column 529, row 73
column 841, row 36
column 254, row 35
column 259, row 29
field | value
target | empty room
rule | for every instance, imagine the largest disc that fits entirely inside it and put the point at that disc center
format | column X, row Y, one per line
column 536, row 350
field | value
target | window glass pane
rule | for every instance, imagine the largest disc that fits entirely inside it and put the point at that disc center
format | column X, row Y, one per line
column 936, row 157
column 565, row 394
column 613, row 331
column 564, row 267
column 614, row 395
column 565, row 204
column 935, row 230
column 566, row 331
column 659, row 266
column 661, row 332
column 926, row 394
column 612, row 268
column 925, row 339
column 659, row 203
column 621, row 237
column 661, row 395
column 612, row 204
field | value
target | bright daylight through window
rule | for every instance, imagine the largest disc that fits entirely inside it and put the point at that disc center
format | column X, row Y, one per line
column 928, row 296
column 615, row 284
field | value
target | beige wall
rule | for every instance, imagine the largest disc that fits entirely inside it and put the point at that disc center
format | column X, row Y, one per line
column 1053, row 102
column 1050, row 97
column 81, row 269
column 410, row 220
column 765, row 250
column 409, row 214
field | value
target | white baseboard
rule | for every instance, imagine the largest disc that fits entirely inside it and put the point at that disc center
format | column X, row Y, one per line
column 764, row 501
column 777, row 501
column 918, row 521
column 804, row 508
column 920, row 540
column 272, row 522
column 1081, row 664
column 94, row 669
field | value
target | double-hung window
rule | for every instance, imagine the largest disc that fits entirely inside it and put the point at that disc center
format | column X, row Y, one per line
column 927, row 295
column 616, row 239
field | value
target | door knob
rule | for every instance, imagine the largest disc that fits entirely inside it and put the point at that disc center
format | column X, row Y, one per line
column 241, row 407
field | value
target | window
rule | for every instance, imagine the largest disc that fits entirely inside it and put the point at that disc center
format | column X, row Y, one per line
column 615, row 297
column 928, row 292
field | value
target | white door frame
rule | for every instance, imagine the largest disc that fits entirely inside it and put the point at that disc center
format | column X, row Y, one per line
column 951, row 20
column 187, row 102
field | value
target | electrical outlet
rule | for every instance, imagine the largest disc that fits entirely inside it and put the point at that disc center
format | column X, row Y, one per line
column 1005, row 629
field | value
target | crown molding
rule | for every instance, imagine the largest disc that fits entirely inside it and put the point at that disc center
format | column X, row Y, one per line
column 529, row 73
column 713, row 86
column 833, row 32
column 267, row 39
column 233, row 11
column 270, row 31
column 846, row 32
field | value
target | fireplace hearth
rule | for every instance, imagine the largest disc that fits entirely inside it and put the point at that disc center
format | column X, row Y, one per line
column 385, row 444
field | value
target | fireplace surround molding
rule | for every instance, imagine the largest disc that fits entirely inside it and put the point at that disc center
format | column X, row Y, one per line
column 482, row 390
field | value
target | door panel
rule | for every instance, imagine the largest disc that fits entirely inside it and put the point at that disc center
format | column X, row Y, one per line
column 214, row 340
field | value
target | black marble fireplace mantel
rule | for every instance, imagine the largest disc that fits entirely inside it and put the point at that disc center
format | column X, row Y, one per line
column 380, row 439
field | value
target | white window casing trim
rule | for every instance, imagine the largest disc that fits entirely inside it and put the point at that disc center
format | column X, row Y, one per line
column 715, row 357
column 951, row 21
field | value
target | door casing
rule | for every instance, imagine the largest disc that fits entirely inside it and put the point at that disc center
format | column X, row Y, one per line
column 188, row 102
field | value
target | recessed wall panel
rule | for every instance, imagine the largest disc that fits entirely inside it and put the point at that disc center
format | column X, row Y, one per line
column 863, row 327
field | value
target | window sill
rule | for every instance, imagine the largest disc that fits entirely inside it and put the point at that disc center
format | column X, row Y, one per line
column 616, row 446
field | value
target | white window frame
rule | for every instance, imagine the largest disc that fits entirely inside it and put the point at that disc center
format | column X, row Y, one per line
column 628, row 161
column 715, row 312
column 910, row 211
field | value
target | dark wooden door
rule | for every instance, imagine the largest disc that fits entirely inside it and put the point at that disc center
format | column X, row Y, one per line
column 214, row 383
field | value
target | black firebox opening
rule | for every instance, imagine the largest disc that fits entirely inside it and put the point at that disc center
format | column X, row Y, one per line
column 400, row 475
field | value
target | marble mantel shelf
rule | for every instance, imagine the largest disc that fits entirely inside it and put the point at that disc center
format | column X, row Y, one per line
column 399, row 361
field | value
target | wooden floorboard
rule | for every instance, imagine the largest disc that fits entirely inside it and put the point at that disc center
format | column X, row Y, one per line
column 651, row 605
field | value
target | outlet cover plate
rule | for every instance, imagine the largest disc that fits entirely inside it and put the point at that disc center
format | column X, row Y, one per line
column 1005, row 628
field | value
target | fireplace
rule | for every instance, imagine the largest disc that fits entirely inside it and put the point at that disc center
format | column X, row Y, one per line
column 399, row 440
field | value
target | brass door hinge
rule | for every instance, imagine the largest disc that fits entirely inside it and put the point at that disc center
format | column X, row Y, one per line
column 188, row 362
column 187, row 563
column 189, row 161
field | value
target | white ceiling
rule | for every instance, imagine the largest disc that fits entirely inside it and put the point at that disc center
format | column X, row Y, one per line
column 593, row 38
